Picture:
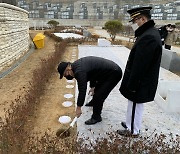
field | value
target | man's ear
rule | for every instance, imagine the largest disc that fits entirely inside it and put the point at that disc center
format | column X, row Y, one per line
column 144, row 19
column 68, row 67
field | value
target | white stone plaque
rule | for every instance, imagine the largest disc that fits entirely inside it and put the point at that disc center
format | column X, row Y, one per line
column 70, row 86
column 68, row 95
column 67, row 103
column 70, row 81
column 64, row 119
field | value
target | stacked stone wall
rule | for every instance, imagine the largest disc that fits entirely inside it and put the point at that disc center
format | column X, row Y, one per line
column 14, row 34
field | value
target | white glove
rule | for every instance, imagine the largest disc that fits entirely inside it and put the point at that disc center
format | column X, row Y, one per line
column 91, row 91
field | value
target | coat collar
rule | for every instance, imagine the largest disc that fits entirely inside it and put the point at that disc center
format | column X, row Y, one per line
column 144, row 27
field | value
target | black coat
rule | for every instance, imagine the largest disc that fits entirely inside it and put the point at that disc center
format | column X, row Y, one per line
column 141, row 74
column 163, row 32
column 93, row 69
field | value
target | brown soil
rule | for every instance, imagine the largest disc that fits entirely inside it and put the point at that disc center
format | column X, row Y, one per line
column 51, row 108
column 50, row 105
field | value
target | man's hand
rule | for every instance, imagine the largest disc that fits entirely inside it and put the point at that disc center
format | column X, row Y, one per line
column 91, row 91
column 78, row 111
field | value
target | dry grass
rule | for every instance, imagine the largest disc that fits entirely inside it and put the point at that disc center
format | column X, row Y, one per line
column 12, row 132
column 127, row 44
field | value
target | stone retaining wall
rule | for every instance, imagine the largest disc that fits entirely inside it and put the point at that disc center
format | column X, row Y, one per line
column 14, row 34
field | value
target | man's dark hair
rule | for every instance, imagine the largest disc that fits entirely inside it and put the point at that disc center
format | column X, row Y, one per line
column 148, row 16
column 168, row 25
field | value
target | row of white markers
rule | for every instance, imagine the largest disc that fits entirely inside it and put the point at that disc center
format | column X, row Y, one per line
column 70, row 85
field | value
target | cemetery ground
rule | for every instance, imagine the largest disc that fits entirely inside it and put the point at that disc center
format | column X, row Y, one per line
column 49, row 109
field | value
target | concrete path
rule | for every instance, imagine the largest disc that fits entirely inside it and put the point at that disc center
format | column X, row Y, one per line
column 115, row 105
column 103, row 33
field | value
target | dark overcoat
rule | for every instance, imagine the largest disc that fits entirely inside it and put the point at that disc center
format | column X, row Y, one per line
column 93, row 69
column 141, row 74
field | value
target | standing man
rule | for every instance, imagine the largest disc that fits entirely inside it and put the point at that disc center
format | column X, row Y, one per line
column 163, row 32
column 141, row 74
column 103, row 74
column 171, row 37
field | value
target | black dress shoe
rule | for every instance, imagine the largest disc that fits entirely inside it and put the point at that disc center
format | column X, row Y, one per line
column 93, row 121
column 124, row 125
column 127, row 133
column 89, row 104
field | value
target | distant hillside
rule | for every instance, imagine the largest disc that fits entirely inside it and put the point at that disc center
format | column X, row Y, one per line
column 118, row 1
column 53, row 1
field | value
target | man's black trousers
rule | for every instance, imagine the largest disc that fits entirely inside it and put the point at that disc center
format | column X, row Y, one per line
column 102, row 90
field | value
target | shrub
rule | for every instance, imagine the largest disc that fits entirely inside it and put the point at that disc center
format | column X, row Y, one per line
column 113, row 27
column 53, row 23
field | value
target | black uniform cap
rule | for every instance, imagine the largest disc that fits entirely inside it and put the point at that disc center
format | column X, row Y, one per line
column 137, row 11
column 61, row 68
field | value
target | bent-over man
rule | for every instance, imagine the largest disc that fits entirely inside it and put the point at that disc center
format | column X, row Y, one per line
column 103, row 74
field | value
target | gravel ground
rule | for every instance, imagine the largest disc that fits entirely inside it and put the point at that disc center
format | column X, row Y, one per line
column 115, row 105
